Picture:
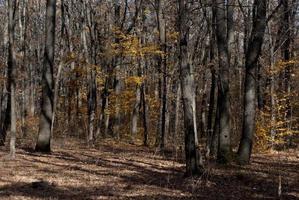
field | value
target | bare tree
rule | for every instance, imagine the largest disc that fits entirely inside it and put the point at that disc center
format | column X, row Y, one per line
column 193, row 157
column 222, row 35
column 252, row 55
column 47, row 101
column 11, row 63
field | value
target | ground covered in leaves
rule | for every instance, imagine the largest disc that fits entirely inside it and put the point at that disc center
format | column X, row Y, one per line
column 119, row 171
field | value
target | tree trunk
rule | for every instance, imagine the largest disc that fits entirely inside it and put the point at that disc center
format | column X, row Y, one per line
column 135, row 113
column 177, row 111
column 5, row 118
column 216, row 129
column 144, row 115
column 203, row 108
column 210, row 131
column 12, row 75
column 193, row 157
column 118, row 84
column 44, row 135
column 224, row 149
column 211, row 109
column 91, row 73
column 23, row 8
column 251, row 60
column 163, row 69
column 103, row 114
column 272, row 88
column 286, row 54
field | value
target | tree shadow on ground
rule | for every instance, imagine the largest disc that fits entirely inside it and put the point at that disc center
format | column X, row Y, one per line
column 45, row 190
column 221, row 182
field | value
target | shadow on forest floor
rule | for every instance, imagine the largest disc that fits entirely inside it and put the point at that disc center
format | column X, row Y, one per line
column 131, row 172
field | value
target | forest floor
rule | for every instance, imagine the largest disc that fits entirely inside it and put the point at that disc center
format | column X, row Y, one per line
column 121, row 171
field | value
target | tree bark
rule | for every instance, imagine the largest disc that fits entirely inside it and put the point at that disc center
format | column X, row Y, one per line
column 163, row 69
column 193, row 157
column 118, row 84
column 91, row 73
column 177, row 111
column 11, row 63
column 135, row 113
column 286, row 54
column 144, row 115
column 212, row 99
column 222, row 32
column 5, row 120
column 251, row 60
column 44, row 135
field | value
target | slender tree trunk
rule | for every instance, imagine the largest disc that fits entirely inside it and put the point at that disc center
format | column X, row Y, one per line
column 135, row 114
column 193, row 157
column 224, row 150
column 32, row 90
column 203, row 108
column 286, row 54
column 216, row 130
column 118, row 89
column 91, row 74
column 144, row 115
column 59, row 70
column 117, row 69
column 5, row 122
column 12, row 75
column 259, row 90
column 210, row 131
column 23, row 36
column 272, row 88
column 211, row 109
column 91, row 104
column 5, row 119
column 44, row 135
column 177, row 111
column 163, row 69
column 251, row 60
column 106, row 117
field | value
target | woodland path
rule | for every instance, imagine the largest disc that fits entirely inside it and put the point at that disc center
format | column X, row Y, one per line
column 131, row 172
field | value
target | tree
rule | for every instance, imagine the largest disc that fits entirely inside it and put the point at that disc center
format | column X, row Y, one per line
column 251, row 60
column 162, row 65
column 193, row 157
column 222, row 35
column 11, row 63
column 5, row 100
column 47, row 101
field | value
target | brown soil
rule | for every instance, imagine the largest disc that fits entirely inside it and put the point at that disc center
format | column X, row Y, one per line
column 119, row 171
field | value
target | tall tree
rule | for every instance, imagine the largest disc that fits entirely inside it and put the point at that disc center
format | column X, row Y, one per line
column 286, row 54
column 213, row 87
column 118, row 85
column 253, row 52
column 11, row 63
column 5, row 100
column 88, row 27
column 193, row 157
column 162, row 65
column 222, row 35
column 44, row 135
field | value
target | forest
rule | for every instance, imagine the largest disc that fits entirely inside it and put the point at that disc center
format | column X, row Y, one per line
column 149, row 99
